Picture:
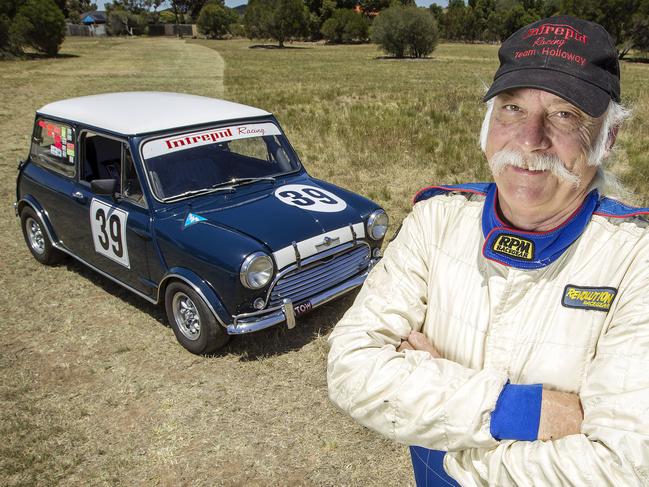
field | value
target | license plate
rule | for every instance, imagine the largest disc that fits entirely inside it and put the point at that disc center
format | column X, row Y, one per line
column 302, row 308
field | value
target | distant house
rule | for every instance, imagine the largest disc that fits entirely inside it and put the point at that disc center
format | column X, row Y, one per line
column 96, row 21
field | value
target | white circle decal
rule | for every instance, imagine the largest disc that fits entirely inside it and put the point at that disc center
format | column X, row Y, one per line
column 310, row 198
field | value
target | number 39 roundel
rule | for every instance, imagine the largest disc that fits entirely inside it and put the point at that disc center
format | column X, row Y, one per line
column 310, row 198
column 109, row 231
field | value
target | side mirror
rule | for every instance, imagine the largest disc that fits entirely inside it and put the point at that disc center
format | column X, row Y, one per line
column 106, row 187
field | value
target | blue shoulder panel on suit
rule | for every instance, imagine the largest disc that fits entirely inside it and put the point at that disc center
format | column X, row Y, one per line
column 614, row 209
column 430, row 191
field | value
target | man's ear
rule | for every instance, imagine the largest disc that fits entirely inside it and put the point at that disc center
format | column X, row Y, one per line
column 612, row 137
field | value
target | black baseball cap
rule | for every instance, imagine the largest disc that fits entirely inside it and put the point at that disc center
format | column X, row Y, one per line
column 569, row 57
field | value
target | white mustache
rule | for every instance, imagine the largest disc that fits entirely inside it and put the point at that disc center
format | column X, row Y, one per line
column 540, row 162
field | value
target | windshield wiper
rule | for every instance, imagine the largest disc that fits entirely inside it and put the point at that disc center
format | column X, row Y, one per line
column 199, row 191
column 234, row 182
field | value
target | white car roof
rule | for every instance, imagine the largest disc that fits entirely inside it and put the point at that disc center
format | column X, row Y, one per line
column 140, row 112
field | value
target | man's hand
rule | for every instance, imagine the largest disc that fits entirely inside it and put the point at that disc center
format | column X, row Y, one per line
column 561, row 415
column 418, row 341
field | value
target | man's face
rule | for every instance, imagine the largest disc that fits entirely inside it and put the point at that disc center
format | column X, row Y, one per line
column 542, row 129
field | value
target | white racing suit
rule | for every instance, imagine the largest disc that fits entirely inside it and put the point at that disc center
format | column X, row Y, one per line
column 568, row 309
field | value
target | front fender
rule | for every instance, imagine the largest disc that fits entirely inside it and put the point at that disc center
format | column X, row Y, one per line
column 199, row 285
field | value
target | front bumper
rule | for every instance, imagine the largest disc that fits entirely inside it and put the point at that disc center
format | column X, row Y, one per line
column 249, row 322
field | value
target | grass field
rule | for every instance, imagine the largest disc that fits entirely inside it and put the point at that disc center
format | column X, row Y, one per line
column 94, row 390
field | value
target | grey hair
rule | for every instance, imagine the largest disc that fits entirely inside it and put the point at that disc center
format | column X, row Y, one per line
column 607, row 183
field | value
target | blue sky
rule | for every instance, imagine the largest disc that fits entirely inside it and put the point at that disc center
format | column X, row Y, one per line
column 234, row 3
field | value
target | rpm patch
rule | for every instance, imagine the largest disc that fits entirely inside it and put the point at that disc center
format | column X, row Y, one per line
column 514, row 246
column 592, row 298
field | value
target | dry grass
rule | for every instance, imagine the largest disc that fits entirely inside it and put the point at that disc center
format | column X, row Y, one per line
column 94, row 389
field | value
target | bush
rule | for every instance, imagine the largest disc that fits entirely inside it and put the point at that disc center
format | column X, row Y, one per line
column 405, row 31
column 345, row 26
column 276, row 19
column 39, row 24
column 214, row 20
column 4, row 33
column 122, row 22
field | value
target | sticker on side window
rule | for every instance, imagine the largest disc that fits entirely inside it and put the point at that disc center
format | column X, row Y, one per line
column 108, row 226
column 176, row 143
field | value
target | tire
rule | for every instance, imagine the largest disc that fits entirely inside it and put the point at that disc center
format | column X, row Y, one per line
column 194, row 325
column 37, row 239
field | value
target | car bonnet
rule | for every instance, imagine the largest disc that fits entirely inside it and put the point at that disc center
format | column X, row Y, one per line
column 307, row 214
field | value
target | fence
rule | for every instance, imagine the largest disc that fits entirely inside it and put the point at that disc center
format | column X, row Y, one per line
column 185, row 30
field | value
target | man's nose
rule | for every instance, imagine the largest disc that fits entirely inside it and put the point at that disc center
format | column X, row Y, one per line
column 533, row 133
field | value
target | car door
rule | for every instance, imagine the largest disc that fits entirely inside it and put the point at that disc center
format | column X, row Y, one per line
column 113, row 230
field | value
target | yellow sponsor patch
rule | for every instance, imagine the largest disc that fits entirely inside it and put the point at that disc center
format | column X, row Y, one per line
column 593, row 298
column 514, row 246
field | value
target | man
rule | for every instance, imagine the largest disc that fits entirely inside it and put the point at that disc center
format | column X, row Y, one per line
column 508, row 323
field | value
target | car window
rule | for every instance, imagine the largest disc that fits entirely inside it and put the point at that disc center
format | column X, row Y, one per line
column 53, row 147
column 183, row 163
column 101, row 157
column 109, row 158
column 255, row 148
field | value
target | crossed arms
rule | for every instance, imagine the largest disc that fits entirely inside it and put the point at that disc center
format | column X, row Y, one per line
column 417, row 397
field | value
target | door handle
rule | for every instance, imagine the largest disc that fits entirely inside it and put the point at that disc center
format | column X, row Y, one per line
column 78, row 195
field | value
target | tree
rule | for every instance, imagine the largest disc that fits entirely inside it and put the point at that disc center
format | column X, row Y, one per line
column 214, row 19
column 78, row 7
column 122, row 22
column 39, row 24
column 276, row 19
column 402, row 31
column 345, row 26
column 640, row 28
column 616, row 16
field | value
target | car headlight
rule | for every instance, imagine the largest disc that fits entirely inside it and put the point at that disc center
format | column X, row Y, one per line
column 256, row 270
column 377, row 224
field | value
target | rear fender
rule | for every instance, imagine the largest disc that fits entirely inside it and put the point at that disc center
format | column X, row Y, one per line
column 29, row 200
column 199, row 285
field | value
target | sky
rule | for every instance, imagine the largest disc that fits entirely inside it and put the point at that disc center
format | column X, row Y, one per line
column 234, row 3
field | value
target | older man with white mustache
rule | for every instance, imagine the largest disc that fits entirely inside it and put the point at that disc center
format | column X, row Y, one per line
column 505, row 334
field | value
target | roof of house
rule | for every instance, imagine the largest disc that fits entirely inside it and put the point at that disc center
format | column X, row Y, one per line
column 141, row 112
column 94, row 16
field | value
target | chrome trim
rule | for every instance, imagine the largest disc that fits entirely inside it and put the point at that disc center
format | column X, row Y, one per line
column 351, row 227
column 250, row 322
column 301, row 285
column 287, row 309
column 298, row 258
column 372, row 219
column 243, row 273
column 62, row 248
column 314, row 259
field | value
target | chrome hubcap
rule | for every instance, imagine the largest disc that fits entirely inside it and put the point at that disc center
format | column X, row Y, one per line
column 186, row 316
column 35, row 236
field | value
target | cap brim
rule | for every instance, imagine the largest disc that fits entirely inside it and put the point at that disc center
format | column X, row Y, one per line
column 584, row 95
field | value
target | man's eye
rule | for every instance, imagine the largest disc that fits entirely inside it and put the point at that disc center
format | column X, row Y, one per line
column 565, row 115
column 512, row 108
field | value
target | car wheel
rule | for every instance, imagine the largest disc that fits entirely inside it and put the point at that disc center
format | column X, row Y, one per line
column 194, row 325
column 36, row 237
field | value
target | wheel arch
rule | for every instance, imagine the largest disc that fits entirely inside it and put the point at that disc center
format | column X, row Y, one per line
column 30, row 201
column 200, row 286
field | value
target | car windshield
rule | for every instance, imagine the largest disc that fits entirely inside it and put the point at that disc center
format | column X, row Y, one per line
column 217, row 159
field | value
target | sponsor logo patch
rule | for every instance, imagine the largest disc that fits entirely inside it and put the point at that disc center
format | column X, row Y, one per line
column 513, row 246
column 593, row 298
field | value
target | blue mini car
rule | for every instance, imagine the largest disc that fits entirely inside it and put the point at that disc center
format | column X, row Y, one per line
column 198, row 203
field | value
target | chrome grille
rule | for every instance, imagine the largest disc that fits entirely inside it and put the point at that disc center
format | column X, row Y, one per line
column 302, row 283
